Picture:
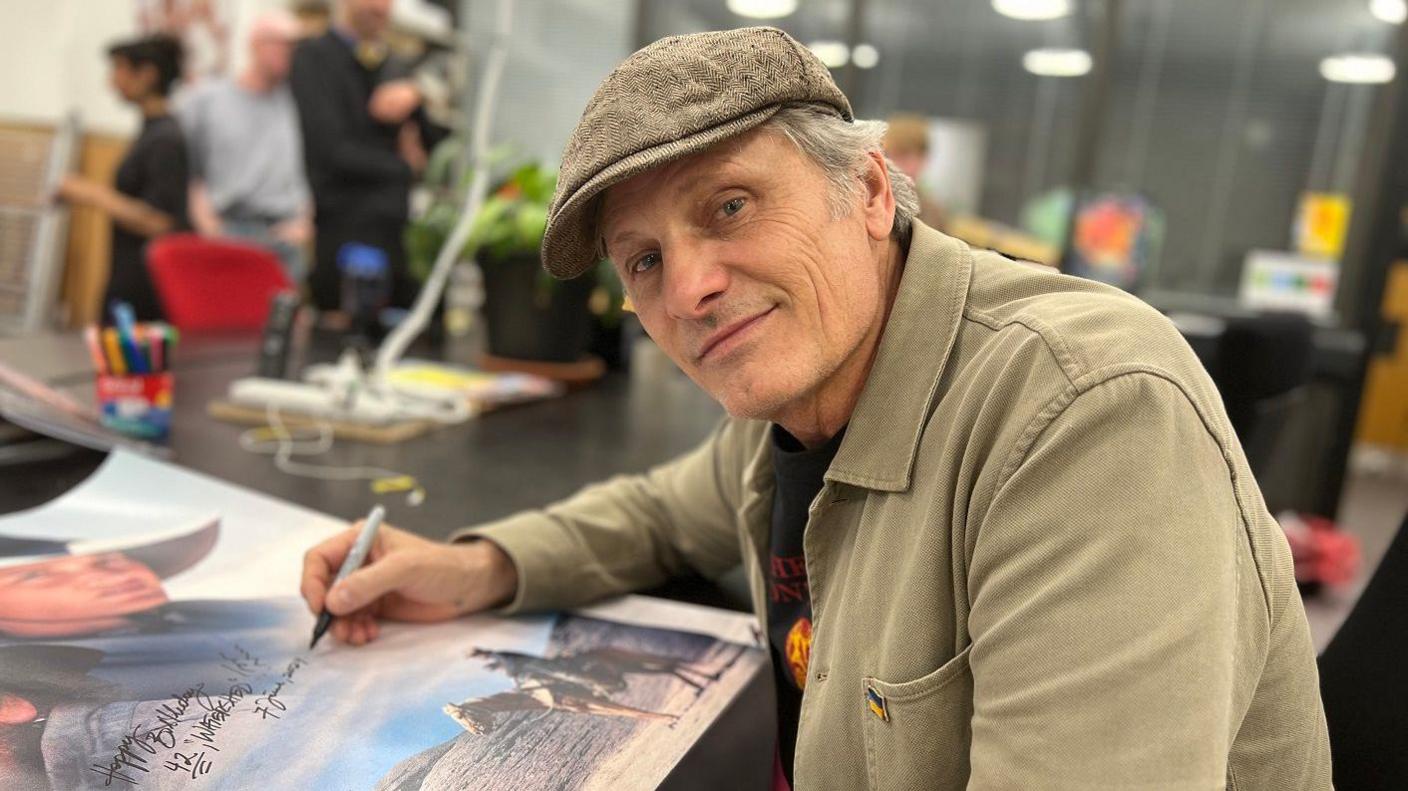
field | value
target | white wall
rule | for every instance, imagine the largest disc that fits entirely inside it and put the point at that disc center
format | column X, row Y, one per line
column 559, row 52
column 52, row 58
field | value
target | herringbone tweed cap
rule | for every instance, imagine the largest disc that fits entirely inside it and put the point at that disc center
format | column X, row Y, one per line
column 671, row 99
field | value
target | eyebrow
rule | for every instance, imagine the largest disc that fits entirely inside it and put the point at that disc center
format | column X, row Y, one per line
column 706, row 180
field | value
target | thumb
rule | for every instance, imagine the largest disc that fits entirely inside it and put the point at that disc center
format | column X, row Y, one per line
column 367, row 584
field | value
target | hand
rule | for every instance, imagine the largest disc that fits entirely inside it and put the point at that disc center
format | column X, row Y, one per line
column 207, row 223
column 75, row 189
column 295, row 231
column 409, row 145
column 406, row 578
column 393, row 102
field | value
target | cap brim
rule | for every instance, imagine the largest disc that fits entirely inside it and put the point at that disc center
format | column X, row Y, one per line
column 569, row 245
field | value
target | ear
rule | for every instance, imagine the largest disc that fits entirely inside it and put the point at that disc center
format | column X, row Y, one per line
column 878, row 211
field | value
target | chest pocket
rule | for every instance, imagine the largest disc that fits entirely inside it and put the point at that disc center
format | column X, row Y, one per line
column 917, row 733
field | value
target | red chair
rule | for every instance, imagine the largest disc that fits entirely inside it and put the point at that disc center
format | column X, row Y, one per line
column 210, row 284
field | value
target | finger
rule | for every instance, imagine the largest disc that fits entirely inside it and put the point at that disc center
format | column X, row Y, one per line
column 320, row 564
column 341, row 628
column 364, row 586
column 361, row 631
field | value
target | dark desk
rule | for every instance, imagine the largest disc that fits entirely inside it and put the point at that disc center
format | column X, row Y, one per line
column 487, row 468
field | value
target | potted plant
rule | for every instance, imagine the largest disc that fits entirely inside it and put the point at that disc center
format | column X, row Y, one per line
column 528, row 314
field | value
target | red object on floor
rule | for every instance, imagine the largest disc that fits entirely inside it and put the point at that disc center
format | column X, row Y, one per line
column 214, row 284
column 1322, row 554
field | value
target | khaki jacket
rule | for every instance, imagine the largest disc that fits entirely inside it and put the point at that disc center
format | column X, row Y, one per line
column 1039, row 546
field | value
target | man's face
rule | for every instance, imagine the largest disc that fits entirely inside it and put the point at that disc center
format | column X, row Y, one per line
column 367, row 18
column 739, row 270
column 79, row 594
column 272, row 52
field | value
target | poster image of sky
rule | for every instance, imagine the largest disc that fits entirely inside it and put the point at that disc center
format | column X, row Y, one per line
column 134, row 654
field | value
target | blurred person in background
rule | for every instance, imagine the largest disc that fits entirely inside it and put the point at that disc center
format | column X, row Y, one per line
column 907, row 145
column 148, row 198
column 363, row 141
column 246, row 151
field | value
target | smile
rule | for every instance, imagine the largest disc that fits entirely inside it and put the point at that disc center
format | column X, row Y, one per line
column 728, row 338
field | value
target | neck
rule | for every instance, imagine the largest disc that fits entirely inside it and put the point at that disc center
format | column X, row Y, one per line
column 153, row 106
column 815, row 419
column 254, row 81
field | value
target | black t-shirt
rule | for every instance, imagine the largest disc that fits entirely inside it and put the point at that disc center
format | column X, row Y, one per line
column 154, row 171
column 799, row 473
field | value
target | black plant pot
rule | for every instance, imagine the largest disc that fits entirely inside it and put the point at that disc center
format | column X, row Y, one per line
column 528, row 318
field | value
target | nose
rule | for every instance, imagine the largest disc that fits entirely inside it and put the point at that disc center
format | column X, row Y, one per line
column 695, row 278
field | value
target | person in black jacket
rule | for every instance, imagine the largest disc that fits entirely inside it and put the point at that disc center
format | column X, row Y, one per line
column 149, row 198
column 363, row 142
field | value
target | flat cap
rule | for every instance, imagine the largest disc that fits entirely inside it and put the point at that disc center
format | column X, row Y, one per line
column 674, row 98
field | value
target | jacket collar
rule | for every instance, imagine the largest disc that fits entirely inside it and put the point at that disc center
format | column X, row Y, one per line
column 882, row 438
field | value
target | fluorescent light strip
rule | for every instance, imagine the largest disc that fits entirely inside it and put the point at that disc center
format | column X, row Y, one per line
column 763, row 9
column 1032, row 10
column 1358, row 68
column 1052, row 62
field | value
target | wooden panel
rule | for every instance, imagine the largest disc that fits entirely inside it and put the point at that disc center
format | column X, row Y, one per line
column 1383, row 414
column 90, row 235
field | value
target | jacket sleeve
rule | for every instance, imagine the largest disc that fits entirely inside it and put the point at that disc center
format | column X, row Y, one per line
column 630, row 532
column 1104, row 598
column 328, row 144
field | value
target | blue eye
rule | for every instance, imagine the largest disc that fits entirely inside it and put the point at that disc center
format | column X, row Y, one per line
column 733, row 207
column 645, row 263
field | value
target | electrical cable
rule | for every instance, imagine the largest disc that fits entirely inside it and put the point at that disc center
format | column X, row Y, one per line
column 285, row 445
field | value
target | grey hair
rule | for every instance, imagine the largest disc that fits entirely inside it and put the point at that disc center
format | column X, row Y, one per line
column 842, row 149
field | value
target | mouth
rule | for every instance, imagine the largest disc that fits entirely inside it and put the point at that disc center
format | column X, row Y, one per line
column 727, row 338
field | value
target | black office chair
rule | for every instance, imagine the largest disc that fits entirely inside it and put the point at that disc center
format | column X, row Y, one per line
column 1263, row 367
column 1364, row 681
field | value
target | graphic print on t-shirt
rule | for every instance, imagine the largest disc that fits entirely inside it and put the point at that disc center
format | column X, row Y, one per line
column 790, row 597
column 799, row 650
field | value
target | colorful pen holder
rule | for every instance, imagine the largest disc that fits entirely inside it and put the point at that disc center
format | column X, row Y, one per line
column 138, row 405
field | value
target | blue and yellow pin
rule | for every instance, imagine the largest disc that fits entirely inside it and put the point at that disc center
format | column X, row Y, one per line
column 876, row 702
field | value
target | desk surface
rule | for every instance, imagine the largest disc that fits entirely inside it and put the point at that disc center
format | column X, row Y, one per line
column 492, row 466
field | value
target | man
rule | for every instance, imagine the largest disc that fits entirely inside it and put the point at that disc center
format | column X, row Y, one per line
column 996, row 525
column 363, row 139
column 246, row 153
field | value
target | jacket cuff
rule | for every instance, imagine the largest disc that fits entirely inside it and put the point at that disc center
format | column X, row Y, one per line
column 534, row 545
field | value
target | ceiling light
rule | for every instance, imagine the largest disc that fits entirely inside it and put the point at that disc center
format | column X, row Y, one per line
column 865, row 56
column 1053, row 62
column 1390, row 11
column 763, row 9
column 1357, row 68
column 1031, row 10
column 834, row 54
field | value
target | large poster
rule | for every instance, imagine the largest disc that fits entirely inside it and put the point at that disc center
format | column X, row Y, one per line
column 150, row 637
